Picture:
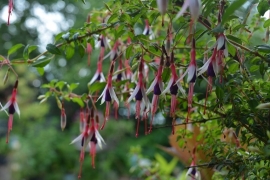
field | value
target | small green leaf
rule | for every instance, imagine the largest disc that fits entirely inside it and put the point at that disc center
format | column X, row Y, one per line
column 219, row 92
column 112, row 17
column 129, row 51
column 266, row 23
column 263, row 48
column 79, row 101
column 107, row 7
column 234, row 39
column 231, row 9
column 53, row 49
column 73, row 86
column 40, row 70
column 69, row 52
column 262, row 7
column 42, row 62
column 14, row 48
column 25, row 52
column 254, row 68
column 97, row 86
column 60, row 84
column 81, row 50
column 83, row 1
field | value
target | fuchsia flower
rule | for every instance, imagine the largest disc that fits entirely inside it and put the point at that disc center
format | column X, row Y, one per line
column 193, row 173
column 157, row 86
column 98, row 76
column 142, row 101
column 162, row 7
column 108, row 95
column 173, row 87
column 12, row 107
column 147, row 30
column 91, row 137
column 82, row 120
column 195, row 7
column 192, row 75
column 10, row 9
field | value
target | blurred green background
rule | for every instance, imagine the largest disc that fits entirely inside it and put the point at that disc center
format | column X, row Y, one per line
column 38, row 149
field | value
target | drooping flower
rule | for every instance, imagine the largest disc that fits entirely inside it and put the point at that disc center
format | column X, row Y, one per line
column 173, row 86
column 12, row 107
column 108, row 95
column 157, row 86
column 10, row 9
column 140, row 96
column 194, row 6
column 192, row 75
column 98, row 76
column 96, row 138
column 82, row 120
column 90, row 137
column 193, row 173
column 162, row 7
column 147, row 29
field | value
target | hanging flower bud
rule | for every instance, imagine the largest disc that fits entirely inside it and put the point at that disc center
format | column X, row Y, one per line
column 194, row 6
column 89, row 52
column 12, row 107
column 63, row 118
column 147, row 30
column 193, row 173
column 162, row 7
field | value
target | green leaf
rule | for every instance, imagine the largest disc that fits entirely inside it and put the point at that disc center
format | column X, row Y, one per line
column 27, row 50
column 79, row 101
column 40, row 70
column 231, row 49
column 53, row 49
column 107, row 7
column 60, row 84
column 219, row 92
column 263, row 48
column 14, row 48
column 42, row 62
column 234, row 39
column 262, row 7
column 266, row 23
column 97, row 86
column 129, row 51
column 73, row 86
column 81, row 50
column 254, row 68
column 69, row 52
column 230, row 10
column 112, row 17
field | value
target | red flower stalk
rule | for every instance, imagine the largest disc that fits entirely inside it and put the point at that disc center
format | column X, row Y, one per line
column 193, row 173
column 192, row 75
column 108, row 95
column 142, row 101
column 157, row 86
column 12, row 107
column 162, row 7
column 63, row 117
column 10, row 9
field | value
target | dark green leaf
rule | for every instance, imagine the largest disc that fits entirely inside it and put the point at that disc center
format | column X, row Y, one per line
column 262, row 7
column 81, row 50
column 129, row 51
column 230, row 10
column 42, row 62
column 14, row 48
column 219, row 92
column 263, row 48
column 53, row 49
column 97, row 86
column 235, row 39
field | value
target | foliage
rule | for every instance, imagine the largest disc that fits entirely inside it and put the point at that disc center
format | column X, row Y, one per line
column 228, row 43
